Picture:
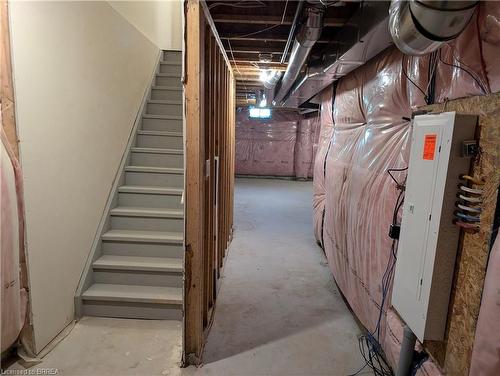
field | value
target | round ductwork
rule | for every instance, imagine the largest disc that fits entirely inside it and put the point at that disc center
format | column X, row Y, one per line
column 420, row 27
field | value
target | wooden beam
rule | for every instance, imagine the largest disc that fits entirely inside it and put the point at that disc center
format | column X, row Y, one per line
column 243, row 62
column 269, row 20
column 257, row 37
column 257, row 50
column 261, row 38
column 194, row 187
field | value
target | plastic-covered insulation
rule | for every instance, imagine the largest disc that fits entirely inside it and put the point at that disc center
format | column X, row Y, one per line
column 284, row 145
column 13, row 296
column 354, row 197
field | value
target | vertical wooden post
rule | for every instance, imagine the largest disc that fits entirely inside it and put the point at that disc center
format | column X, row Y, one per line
column 209, row 112
column 7, row 89
column 194, row 183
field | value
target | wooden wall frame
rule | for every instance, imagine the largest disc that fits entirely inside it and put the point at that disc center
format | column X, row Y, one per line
column 209, row 89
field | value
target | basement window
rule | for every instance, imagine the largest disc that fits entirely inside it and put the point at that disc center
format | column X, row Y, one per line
column 260, row 113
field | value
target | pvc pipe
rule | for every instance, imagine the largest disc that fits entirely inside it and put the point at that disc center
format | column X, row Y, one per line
column 406, row 353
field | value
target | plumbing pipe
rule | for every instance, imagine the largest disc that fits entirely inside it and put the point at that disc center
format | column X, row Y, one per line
column 406, row 353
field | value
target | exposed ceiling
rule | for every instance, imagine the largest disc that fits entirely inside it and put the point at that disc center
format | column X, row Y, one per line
column 250, row 28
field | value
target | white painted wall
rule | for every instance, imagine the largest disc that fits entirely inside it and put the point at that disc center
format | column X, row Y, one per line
column 80, row 73
column 160, row 21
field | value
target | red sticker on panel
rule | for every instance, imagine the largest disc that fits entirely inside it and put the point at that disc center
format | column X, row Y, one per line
column 429, row 146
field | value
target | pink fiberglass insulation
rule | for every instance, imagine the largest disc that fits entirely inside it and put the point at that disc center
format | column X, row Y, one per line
column 486, row 352
column 354, row 197
column 315, row 142
column 266, row 147
column 13, row 295
column 304, row 147
column 324, row 137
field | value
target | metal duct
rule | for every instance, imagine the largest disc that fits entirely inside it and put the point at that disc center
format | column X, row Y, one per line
column 419, row 27
column 363, row 37
column 304, row 42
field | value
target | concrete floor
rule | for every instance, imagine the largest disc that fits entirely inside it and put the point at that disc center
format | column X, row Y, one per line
column 278, row 311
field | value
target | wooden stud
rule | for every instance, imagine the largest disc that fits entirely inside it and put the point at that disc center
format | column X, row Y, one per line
column 7, row 88
column 194, row 187
column 210, row 97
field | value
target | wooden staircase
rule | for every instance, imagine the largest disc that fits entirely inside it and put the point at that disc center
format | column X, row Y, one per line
column 137, row 269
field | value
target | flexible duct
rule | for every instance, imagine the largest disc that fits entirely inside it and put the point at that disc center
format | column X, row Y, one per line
column 420, row 27
column 302, row 46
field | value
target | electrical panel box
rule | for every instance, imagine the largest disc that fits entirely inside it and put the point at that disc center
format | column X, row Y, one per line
column 429, row 240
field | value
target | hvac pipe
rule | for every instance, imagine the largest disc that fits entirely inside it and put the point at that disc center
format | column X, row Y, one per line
column 304, row 42
column 300, row 4
column 419, row 27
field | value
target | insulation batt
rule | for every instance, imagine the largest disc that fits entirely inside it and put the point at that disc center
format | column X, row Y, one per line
column 13, row 295
column 281, row 146
column 367, row 132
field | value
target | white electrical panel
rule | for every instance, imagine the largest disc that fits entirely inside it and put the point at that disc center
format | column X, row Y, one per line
column 429, row 240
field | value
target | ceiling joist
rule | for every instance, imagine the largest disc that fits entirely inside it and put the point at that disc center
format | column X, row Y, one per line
column 270, row 20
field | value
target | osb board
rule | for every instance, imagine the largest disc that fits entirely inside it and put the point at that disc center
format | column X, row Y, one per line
column 454, row 353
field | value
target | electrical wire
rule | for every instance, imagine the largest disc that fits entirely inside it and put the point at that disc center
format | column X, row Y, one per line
column 474, row 200
column 470, row 190
column 234, row 61
column 414, row 84
column 478, row 82
column 472, row 179
column 284, row 13
column 257, row 32
column 468, row 218
column 369, row 344
column 468, row 208
column 266, row 28
column 398, row 184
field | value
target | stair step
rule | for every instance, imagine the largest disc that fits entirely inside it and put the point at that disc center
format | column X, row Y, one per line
column 125, row 211
column 157, row 151
column 171, row 88
column 156, row 170
column 171, row 67
column 158, row 264
column 150, row 190
column 164, row 107
column 171, row 123
column 157, row 157
column 166, row 93
column 154, row 176
column 135, row 294
column 167, row 79
column 175, row 56
column 166, row 75
column 143, row 236
column 150, row 196
column 159, row 139
column 160, row 133
column 162, row 117
column 164, row 101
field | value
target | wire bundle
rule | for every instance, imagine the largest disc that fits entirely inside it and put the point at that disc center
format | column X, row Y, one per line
column 369, row 344
column 468, row 213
